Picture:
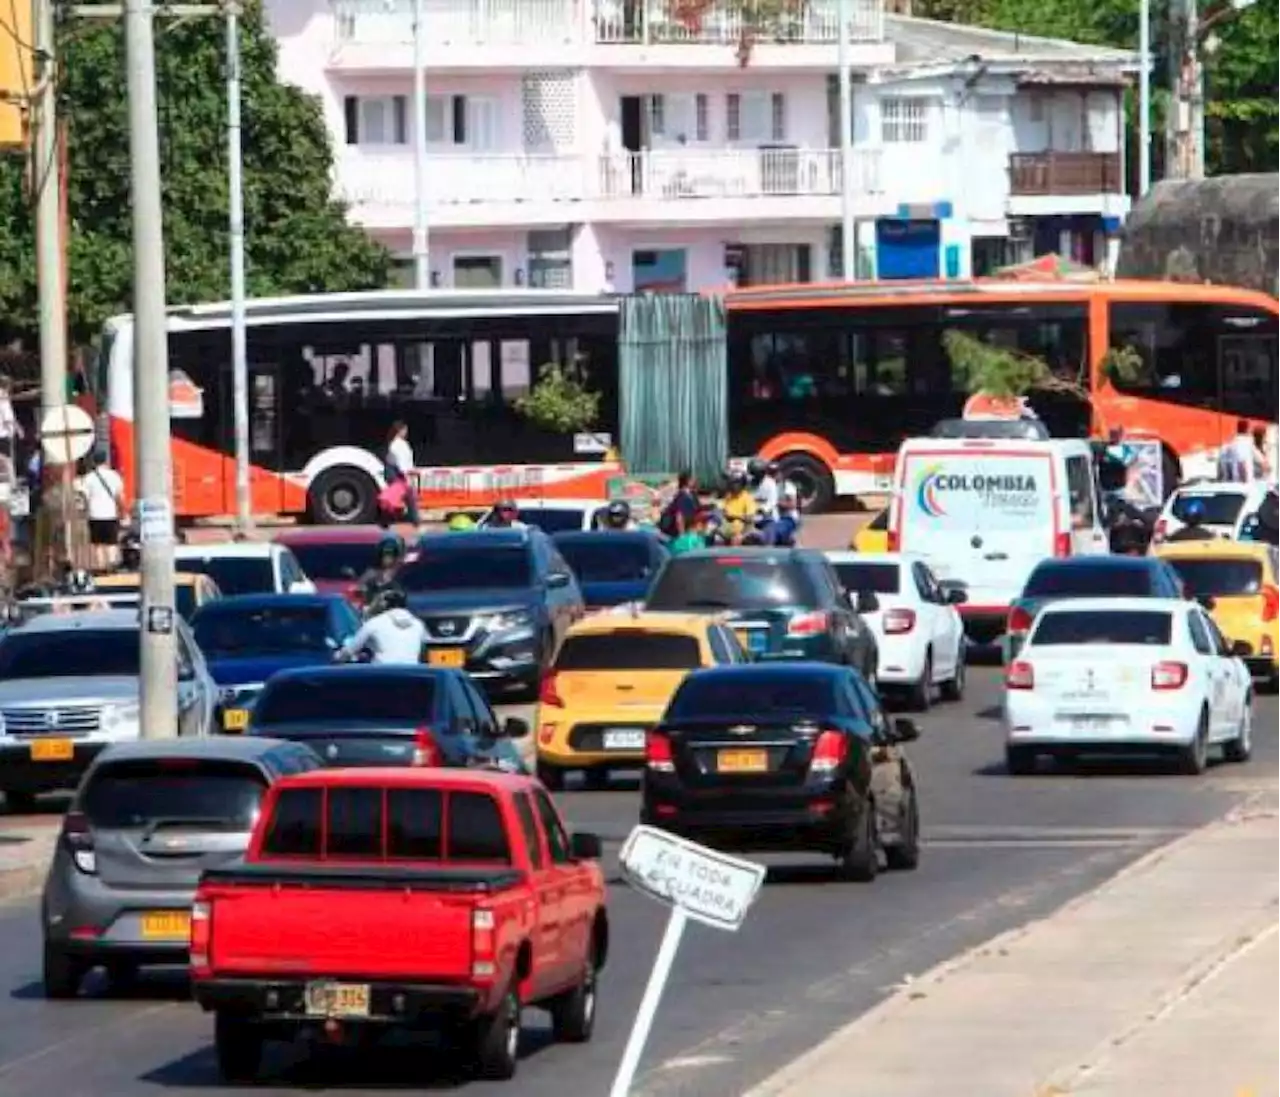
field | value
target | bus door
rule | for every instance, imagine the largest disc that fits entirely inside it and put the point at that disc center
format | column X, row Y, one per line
column 265, row 449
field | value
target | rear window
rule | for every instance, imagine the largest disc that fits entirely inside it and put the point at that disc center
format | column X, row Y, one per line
column 220, row 795
column 234, row 574
column 364, row 698
column 629, row 650
column 1220, row 508
column 419, row 824
column 184, row 595
column 1095, row 580
column 550, row 519
column 335, row 560
column 1103, row 627
column 615, row 560
column 731, row 582
column 878, row 578
column 759, row 697
column 224, row 629
column 1222, row 576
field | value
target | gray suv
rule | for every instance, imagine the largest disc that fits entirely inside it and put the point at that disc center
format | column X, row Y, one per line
column 147, row 820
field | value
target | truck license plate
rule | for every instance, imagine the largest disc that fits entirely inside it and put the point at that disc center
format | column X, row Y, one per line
column 52, row 750
column 338, row 999
column 623, row 739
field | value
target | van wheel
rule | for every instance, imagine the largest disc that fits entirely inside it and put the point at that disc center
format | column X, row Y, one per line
column 237, row 1045
column 343, row 496
column 813, row 480
column 573, row 1014
column 63, row 974
column 922, row 690
column 497, row 1040
column 859, row 861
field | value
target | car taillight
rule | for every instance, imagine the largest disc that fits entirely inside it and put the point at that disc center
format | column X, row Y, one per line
column 891, row 540
column 1062, row 544
column 1162, row 527
column 657, row 752
column 425, row 750
column 547, row 694
column 1168, row 675
column 1020, row 675
column 484, row 944
column 899, row 620
column 829, row 752
column 77, row 836
column 201, row 934
column 1019, row 620
column 807, row 624
column 1270, row 602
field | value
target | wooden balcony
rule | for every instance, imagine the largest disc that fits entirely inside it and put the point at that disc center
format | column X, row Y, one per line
column 1046, row 173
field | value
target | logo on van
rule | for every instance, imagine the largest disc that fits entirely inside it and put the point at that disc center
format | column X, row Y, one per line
column 1005, row 491
column 927, row 492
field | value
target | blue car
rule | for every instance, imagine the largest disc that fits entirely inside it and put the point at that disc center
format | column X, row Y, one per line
column 248, row 638
column 613, row 567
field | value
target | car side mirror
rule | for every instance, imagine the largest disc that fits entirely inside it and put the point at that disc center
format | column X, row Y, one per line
column 1208, row 601
column 585, row 847
column 514, row 728
column 558, row 580
column 954, row 594
column 1242, row 649
column 864, row 601
column 905, row 730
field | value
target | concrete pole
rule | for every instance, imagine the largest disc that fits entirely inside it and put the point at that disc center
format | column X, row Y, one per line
column 1195, row 94
column 421, row 244
column 46, row 178
column 1144, row 98
column 239, row 354
column 847, row 242
column 159, row 712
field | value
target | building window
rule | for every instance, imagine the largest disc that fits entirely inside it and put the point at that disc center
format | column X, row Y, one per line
column 904, row 121
column 376, row 120
column 550, row 258
column 463, row 120
column 657, row 115
column 778, row 116
column 756, row 116
column 702, row 121
column 477, row 271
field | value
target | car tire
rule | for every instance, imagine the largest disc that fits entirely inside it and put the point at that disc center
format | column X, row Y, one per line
column 1193, row 759
column 1019, row 761
column 859, row 861
column 237, row 1046
column 921, row 694
column 953, row 687
column 904, row 854
column 122, row 976
column 1240, row 748
column 62, row 974
column 343, row 496
column 497, row 1040
column 573, row 1014
column 550, row 776
column 20, row 803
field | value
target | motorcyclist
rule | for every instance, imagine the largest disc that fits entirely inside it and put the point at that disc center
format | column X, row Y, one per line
column 1193, row 524
column 787, row 526
column 505, row 515
column 739, row 505
column 391, row 636
column 381, row 577
column 617, row 517
column 764, row 483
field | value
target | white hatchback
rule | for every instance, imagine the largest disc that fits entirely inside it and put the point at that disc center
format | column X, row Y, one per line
column 918, row 631
column 1224, row 506
column 1126, row 676
column 246, row 567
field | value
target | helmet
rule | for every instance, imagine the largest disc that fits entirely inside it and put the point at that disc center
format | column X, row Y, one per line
column 772, row 468
column 757, row 467
column 392, row 545
column 79, row 581
column 504, row 510
column 737, row 479
column 617, row 515
column 1193, row 514
column 461, row 523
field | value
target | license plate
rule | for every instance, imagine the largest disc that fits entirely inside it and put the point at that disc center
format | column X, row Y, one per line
column 52, row 750
column 166, row 925
column 1091, row 723
column 742, row 761
column 235, row 719
column 624, row 739
column 446, row 657
column 338, row 999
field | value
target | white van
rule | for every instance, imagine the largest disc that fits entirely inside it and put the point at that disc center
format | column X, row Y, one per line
column 987, row 510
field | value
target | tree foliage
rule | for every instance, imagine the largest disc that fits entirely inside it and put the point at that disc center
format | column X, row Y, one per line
column 296, row 236
column 559, row 402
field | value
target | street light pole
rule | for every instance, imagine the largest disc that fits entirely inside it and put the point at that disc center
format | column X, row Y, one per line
column 159, row 701
column 1144, row 98
column 421, row 246
column 846, row 143
column 239, row 356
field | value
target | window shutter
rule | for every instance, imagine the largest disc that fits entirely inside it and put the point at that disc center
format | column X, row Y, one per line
column 459, row 119
column 681, row 117
column 400, row 111
column 657, row 116
column 437, row 108
column 755, row 117
column 351, row 119
column 482, row 124
column 733, row 116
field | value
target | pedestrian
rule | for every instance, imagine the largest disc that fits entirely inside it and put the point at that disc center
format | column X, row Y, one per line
column 679, row 514
column 102, row 490
column 1262, row 462
column 399, row 465
column 1238, row 459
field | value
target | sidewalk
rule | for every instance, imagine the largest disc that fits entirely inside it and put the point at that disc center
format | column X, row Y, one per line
column 24, row 859
column 1161, row 983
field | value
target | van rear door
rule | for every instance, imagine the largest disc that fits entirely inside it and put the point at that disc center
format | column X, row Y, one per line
column 984, row 516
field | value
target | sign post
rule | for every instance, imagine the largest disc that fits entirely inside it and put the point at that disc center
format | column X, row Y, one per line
column 696, row 883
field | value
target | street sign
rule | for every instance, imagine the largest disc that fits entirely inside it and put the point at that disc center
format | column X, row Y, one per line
column 66, row 434
column 710, row 887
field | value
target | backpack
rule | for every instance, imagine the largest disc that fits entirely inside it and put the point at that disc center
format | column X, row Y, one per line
column 668, row 526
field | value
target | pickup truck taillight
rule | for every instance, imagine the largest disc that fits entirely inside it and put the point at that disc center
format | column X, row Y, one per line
column 891, row 540
column 898, row 621
column 484, row 944
column 828, row 752
column 425, row 751
column 657, row 752
column 77, row 836
column 201, row 932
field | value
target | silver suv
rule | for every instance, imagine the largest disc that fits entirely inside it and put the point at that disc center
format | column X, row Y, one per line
column 148, row 819
column 69, row 687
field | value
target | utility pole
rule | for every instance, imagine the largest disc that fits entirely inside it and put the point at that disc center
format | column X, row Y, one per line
column 847, row 243
column 1144, row 98
column 239, row 353
column 421, row 244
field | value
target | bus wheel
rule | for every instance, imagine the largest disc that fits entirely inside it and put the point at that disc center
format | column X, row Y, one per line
column 344, row 496
column 813, row 481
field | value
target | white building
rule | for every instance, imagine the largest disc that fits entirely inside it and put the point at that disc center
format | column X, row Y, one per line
column 633, row 144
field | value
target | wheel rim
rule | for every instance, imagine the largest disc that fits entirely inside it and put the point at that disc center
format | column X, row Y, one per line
column 960, row 670
column 1246, row 728
column 589, row 998
column 342, row 500
column 513, row 1029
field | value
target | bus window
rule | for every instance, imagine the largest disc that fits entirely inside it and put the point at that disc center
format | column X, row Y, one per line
column 1247, row 362
column 1177, row 345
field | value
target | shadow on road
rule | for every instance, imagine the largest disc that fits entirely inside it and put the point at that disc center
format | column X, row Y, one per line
column 152, row 986
column 1093, row 766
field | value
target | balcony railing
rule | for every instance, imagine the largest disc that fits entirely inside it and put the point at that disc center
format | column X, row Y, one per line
column 679, row 174
column 813, row 22
column 458, row 22
column 1043, row 173
column 386, row 179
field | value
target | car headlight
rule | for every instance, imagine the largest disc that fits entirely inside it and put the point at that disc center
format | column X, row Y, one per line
column 114, row 716
column 516, row 618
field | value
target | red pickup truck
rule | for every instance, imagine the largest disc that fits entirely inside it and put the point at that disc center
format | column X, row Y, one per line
column 429, row 900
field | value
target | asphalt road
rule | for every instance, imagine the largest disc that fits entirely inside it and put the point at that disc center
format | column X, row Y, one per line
column 813, row 953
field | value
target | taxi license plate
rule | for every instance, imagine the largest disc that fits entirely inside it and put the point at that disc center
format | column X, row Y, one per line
column 52, row 750
column 338, row 999
column 742, row 761
column 623, row 739
column 235, row 719
column 446, row 657
column 166, row 925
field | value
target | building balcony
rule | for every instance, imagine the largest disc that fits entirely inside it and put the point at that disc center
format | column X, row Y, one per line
column 1033, row 174
column 804, row 22
column 722, row 185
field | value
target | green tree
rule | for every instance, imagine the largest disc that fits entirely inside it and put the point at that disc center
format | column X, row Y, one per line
column 297, row 239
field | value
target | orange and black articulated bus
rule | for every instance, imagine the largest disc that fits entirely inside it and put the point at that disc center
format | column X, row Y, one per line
column 827, row 379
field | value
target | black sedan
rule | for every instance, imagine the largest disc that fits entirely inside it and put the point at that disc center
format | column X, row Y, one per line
column 785, row 757
column 387, row 716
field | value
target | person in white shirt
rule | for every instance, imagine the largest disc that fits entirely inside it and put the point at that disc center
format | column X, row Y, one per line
column 102, row 491
column 394, row 636
column 400, row 464
column 1239, row 459
column 764, row 483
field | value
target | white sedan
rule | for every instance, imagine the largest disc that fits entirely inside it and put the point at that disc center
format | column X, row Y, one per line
column 1127, row 676
column 556, row 515
column 913, row 616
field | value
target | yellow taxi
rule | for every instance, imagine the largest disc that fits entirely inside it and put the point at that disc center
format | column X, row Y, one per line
column 611, row 682
column 190, row 589
column 874, row 535
column 1242, row 579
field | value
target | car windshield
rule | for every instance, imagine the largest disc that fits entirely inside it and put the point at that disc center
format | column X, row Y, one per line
column 628, row 649
column 223, row 630
column 465, row 567
column 348, row 698
column 234, row 574
column 335, row 560
column 1117, row 626
column 761, row 697
column 1094, row 580
column 607, row 559
column 877, row 578
column 1220, row 576
column 730, row 582
column 550, row 519
column 142, row 792
column 73, row 653
column 1220, row 508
